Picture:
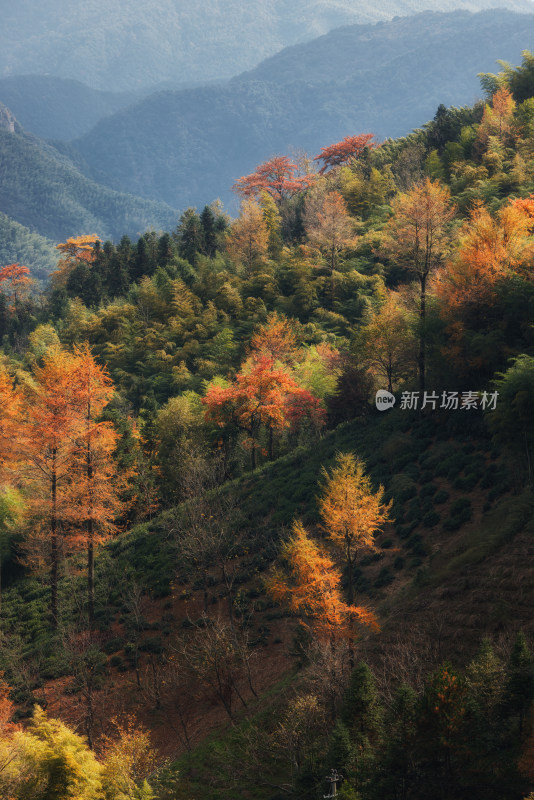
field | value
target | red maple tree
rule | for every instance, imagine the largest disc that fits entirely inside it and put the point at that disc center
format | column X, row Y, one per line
column 278, row 176
column 342, row 152
column 17, row 280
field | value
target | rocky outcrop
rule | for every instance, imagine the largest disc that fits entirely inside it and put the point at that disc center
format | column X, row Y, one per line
column 8, row 121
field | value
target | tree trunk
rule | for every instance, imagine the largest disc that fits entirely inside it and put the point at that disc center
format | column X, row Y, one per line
column 422, row 320
column 90, row 530
column 53, row 546
column 90, row 575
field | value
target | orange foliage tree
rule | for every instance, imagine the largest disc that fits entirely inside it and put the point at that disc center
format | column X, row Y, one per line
column 15, row 281
column 278, row 177
column 256, row 399
column 66, row 458
column 74, row 250
column 418, row 237
column 95, row 488
column 47, row 446
column 497, row 118
column 276, row 339
column 492, row 247
column 329, row 228
column 310, row 585
column 7, row 708
column 249, row 236
column 351, row 512
column 10, row 424
column 344, row 151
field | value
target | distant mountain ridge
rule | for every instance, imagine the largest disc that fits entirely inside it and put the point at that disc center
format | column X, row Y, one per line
column 129, row 44
column 43, row 191
column 55, row 108
column 188, row 147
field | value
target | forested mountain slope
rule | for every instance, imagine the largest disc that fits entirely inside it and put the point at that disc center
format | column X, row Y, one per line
column 124, row 46
column 43, row 191
column 217, row 542
column 18, row 244
column 188, row 147
column 56, row 108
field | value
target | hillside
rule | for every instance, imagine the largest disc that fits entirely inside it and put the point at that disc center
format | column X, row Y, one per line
column 43, row 191
column 56, row 108
column 266, row 483
column 121, row 46
column 18, row 244
column 186, row 147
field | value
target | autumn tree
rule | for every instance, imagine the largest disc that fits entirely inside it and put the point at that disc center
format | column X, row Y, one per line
column 76, row 250
column 96, row 486
column 11, row 405
column 344, row 151
column 351, row 512
column 385, row 342
column 249, row 237
column 329, row 228
column 52, row 426
column 255, row 400
column 498, row 117
column 48, row 760
column 310, row 585
column 128, row 759
column 275, row 339
column 418, row 236
column 278, row 176
column 492, row 247
column 206, row 529
column 216, row 658
column 15, row 282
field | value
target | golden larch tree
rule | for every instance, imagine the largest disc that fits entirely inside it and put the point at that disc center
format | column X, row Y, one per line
column 351, row 512
column 310, row 585
column 96, row 486
column 248, row 240
column 418, row 237
column 329, row 228
column 385, row 341
column 47, row 452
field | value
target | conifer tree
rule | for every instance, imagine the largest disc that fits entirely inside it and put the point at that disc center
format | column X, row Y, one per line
column 520, row 680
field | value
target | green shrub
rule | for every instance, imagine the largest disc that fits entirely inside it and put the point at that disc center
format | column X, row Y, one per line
column 428, row 490
column 467, row 483
column 112, row 645
column 460, row 513
column 372, row 558
column 403, row 531
column 416, row 545
column 441, row 497
column 402, row 488
column 384, row 578
column 431, row 519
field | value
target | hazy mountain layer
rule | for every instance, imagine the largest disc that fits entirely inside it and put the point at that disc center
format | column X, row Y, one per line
column 188, row 147
column 43, row 191
column 121, row 45
column 55, row 108
column 18, row 244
